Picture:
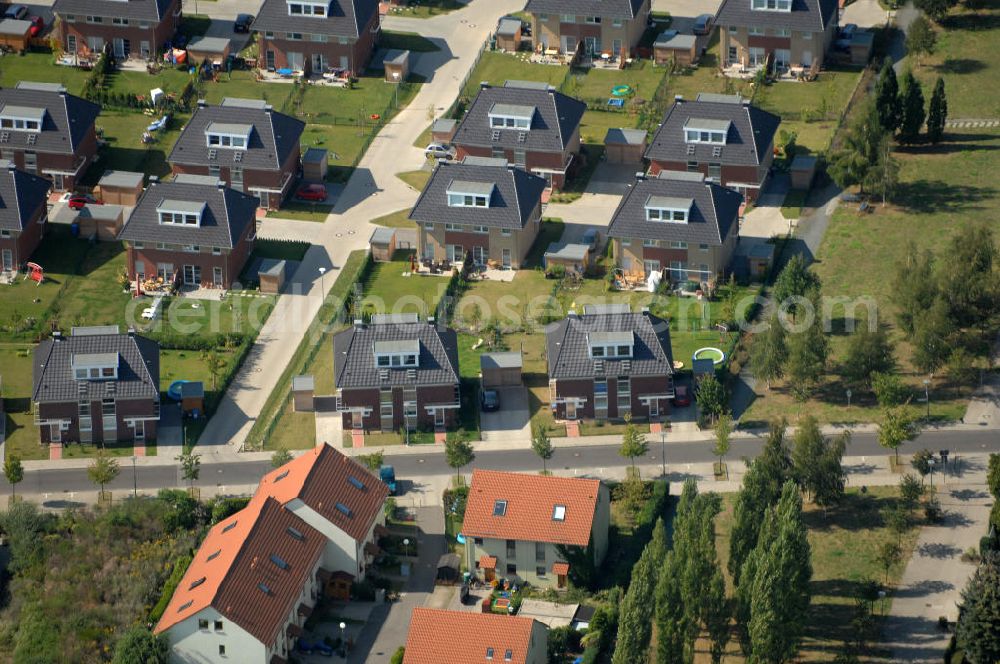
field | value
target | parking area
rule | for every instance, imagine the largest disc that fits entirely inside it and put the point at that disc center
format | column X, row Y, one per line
column 511, row 421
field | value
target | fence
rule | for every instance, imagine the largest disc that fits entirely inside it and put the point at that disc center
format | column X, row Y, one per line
column 452, row 111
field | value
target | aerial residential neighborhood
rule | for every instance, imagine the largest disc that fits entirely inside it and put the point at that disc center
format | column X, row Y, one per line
column 527, row 331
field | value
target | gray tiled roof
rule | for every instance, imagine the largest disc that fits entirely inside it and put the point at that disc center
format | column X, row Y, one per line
column 127, row 179
column 713, row 212
column 605, row 8
column 275, row 135
column 345, row 18
column 138, row 367
column 621, row 136
column 568, row 351
column 21, row 194
column 504, row 360
column 354, row 359
column 806, row 15
column 152, row 10
column 749, row 138
column 516, row 195
column 10, row 26
column 66, row 123
column 226, row 216
column 557, row 117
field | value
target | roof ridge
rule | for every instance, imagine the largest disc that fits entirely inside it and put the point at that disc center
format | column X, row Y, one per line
column 555, row 109
column 41, row 375
column 715, row 209
column 135, row 342
column 517, row 196
column 753, row 137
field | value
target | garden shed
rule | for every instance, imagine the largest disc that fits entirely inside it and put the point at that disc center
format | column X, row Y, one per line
column 303, row 393
column 500, row 369
column 570, row 256
column 802, row 171
column 449, row 569
column 383, row 244
column 397, row 66
column 213, row 49
column 271, row 275
column 14, row 34
column 682, row 49
column 624, row 146
column 443, row 130
column 509, row 34
column 193, row 397
column 120, row 187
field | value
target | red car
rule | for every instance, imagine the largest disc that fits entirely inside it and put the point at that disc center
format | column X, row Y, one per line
column 681, row 396
column 311, row 192
column 37, row 24
column 78, row 201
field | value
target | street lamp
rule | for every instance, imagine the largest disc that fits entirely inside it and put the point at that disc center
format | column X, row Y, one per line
column 406, row 547
column 135, row 481
column 343, row 637
column 849, row 394
column 927, row 395
column 663, row 453
column 395, row 78
column 322, row 283
column 930, row 464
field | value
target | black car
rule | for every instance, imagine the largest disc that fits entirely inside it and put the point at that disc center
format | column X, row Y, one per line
column 489, row 400
column 242, row 23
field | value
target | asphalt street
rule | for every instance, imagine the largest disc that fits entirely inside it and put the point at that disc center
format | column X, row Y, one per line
column 59, row 482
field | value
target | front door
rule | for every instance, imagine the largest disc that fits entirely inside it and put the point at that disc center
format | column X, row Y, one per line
column 295, row 61
column 217, row 277
column 807, row 59
column 570, row 410
column 479, row 255
column 592, row 45
column 489, row 574
column 345, row 62
column 71, row 43
column 318, row 63
column 140, row 431
column 119, row 47
column 192, row 275
column 7, row 260
column 269, row 60
column 58, row 181
column 650, row 267
column 55, row 433
column 439, row 418
column 568, row 44
column 654, row 407
column 357, row 420
column 505, row 258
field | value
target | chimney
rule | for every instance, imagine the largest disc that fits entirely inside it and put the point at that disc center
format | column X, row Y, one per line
column 131, row 331
column 57, row 335
column 571, row 313
column 678, row 99
column 358, row 323
column 640, row 175
column 645, row 311
column 202, row 103
column 430, row 321
column 268, row 108
column 484, row 85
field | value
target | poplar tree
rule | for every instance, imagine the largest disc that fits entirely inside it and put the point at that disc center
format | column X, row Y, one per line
column 887, row 97
column 937, row 113
column 912, row 115
column 769, row 352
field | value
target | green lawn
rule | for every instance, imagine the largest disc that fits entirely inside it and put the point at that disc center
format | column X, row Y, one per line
column 189, row 317
column 15, row 372
column 388, row 291
column 595, row 124
column 122, row 130
column 594, row 85
column 169, row 79
column 40, row 67
column 22, row 437
column 416, row 179
column 302, row 211
column 426, row 8
column 407, row 41
column 496, row 68
column 295, row 431
column 399, row 219
column 279, row 249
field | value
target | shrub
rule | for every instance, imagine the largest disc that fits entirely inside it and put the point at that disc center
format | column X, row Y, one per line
column 397, row 657
column 168, row 588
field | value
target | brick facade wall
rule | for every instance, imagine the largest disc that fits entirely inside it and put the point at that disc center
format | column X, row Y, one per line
column 22, row 244
column 357, row 53
column 48, row 162
column 426, row 395
column 549, row 165
column 731, row 176
column 640, row 385
column 255, row 178
column 124, row 409
column 140, row 34
column 230, row 261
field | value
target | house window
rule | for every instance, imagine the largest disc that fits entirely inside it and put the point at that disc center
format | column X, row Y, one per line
column 617, row 22
column 593, row 20
column 783, row 32
column 540, row 552
column 568, row 18
column 222, row 649
column 677, row 271
column 478, row 541
column 498, row 153
column 755, row 31
column 648, row 243
column 772, row 5
column 293, row 36
column 213, row 170
column 540, row 571
column 695, row 135
column 218, row 625
column 511, row 548
column 807, row 35
column 500, row 509
column 624, row 395
column 559, row 513
column 216, row 251
column 543, row 17
column 69, row 18
column 600, row 398
column 505, row 232
column 714, row 170
column 692, row 167
column 678, row 245
column 626, row 242
column 202, row 623
column 489, row 653
column 95, row 19
column 702, row 247
column 520, row 157
column 117, row 20
column 512, row 569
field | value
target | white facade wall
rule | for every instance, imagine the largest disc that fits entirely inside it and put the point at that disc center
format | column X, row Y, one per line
column 191, row 645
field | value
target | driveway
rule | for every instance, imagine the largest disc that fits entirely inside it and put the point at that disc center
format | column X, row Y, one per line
column 865, row 14
column 683, row 12
column 599, row 200
column 512, row 421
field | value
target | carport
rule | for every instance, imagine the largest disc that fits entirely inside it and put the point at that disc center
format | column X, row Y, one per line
column 625, row 146
column 449, row 569
column 500, row 369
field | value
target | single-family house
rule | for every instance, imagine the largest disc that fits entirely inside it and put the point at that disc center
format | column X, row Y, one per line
column 397, row 372
column 597, row 26
column 129, row 28
column 677, row 222
column 464, row 637
column 193, row 230
column 247, row 593
column 481, row 206
column 529, row 124
column 96, row 386
column 724, row 137
column 23, row 213
column 338, row 497
column 777, row 34
column 608, row 362
column 313, row 36
column 46, row 131
column 530, row 527
column 246, row 144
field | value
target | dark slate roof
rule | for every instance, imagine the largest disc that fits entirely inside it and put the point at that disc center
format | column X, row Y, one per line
column 806, row 15
column 747, row 143
column 67, row 118
column 556, row 118
column 152, row 10
column 515, row 196
column 713, row 212
column 568, row 352
column 354, row 358
column 21, row 194
column 626, row 9
column 345, row 18
column 227, row 213
column 274, row 136
column 138, row 366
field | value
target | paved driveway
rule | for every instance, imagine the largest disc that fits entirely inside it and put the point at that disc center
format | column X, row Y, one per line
column 512, row 421
column 864, row 14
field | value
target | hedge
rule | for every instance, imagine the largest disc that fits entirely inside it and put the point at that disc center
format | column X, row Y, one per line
column 180, row 567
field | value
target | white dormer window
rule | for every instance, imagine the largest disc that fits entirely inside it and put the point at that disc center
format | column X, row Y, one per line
column 397, row 354
column 666, row 208
column 95, row 366
column 224, row 135
column 511, row 116
column 772, row 5
column 611, row 345
column 307, row 8
column 21, row 118
column 462, row 193
column 713, row 132
column 180, row 213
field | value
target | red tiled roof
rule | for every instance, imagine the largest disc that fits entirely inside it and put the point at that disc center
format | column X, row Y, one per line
column 462, row 637
column 531, row 502
column 321, row 478
column 560, row 569
column 488, row 562
column 251, row 568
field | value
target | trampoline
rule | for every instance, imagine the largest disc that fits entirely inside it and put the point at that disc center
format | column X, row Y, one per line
column 174, row 391
column 621, row 90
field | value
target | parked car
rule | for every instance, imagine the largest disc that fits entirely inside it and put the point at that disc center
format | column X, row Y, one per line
column 311, row 192
column 388, row 475
column 666, row 35
column 321, row 647
column 16, row 11
column 703, row 24
column 592, row 238
column 304, row 646
column 489, row 400
column 682, row 397
column 843, row 42
column 440, row 151
column 243, row 23
column 79, row 201
column 37, row 25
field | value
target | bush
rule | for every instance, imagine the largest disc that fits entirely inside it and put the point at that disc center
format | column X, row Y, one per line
column 168, row 588
column 397, row 657
column 223, row 508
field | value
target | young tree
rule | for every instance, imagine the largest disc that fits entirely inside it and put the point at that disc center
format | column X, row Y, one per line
column 458, row 452
column 930, row 337
column 372, row 461
column 868, row 352
column 215, row 363
column 541, row 444
column 807, row 354
column 723, row 430
column 888, row 555
column 911, row 490
column 769, row 352
column 103, row 470
column 889, row 389
column 711, row 396
column 920, row 38
column 816, row 462
column 13, row 471
column 280, row 457
column 972, row 256
column 937, row 113
column 961, row 366
column 912, row 115
column 795, row 281
column 887, row 97
column 921, row 462
column 633, row 443
column 851, row 164
column 993, row 475
column 914, row 288
column 883, row 177
column 717, row 616
column 635, row 623
column 936, row 9
column 190, row 467
column 140, row 646
column 895, row 429
column 670, row 632
column 977, row 632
